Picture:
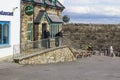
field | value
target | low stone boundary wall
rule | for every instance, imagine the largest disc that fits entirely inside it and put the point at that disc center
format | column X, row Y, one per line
column 54, row 55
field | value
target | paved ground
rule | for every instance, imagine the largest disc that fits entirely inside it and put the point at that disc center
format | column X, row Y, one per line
column 93, row 68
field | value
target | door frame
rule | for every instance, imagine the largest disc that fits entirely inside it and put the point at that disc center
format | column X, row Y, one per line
column 44, row 26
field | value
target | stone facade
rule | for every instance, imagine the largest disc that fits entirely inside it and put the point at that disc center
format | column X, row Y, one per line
column 25, row 20
column 62, row 54
column 37, row 29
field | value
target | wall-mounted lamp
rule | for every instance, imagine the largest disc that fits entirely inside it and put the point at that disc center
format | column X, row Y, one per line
column 15, row 8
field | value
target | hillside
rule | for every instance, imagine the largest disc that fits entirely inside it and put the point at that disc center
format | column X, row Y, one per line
column 102, row 36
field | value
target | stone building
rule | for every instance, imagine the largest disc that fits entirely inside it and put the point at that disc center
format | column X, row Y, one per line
column 37, row 15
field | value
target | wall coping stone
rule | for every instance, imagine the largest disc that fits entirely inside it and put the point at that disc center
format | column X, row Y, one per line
column 41, row 52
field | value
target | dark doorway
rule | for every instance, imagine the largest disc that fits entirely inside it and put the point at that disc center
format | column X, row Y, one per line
column 35, row 32
column 35, row 36
column 43, row 29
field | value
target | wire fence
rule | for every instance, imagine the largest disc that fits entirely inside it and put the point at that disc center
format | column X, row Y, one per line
column 32, row 47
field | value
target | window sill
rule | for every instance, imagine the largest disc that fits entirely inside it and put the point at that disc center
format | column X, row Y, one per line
column 5, row 46
column 52, row 39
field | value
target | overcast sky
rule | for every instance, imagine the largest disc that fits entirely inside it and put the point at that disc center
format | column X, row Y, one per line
column 92, row 11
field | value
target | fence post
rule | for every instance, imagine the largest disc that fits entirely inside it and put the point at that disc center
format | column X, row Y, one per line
column 13, row 51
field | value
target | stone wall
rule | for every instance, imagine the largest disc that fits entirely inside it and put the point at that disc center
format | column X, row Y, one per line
column 25, row 20
column 36, row 29
column 100, row 35
column 60, row 54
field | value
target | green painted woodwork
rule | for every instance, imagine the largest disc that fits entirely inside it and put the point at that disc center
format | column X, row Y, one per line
column 29, row 31
column 54, row 28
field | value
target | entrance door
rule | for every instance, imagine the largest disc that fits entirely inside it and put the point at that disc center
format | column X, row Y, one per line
column 35, row 32
column 43, row 29
column 35, row 35
column 43, row 40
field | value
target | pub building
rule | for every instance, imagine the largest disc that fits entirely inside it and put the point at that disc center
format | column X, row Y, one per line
column 25, row 21
column 37, row 15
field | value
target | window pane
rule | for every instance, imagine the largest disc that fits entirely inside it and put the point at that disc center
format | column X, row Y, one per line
column 0, row 33
column 51, row 31
column 54, row 31
column 29, row 36
column 5, row 34
column 30, row 31
column 54, row 28
column 58, row 28
column 29, row 27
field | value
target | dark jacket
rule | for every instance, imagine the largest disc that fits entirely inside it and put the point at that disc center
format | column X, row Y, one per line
column 59, row 34
column 46, row 34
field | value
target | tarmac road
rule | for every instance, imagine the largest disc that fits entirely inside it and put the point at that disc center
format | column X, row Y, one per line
column 91, row 68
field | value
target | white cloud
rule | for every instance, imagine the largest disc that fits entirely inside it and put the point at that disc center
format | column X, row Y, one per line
column 80, row 9
column 92, row 1
column 112, row 11
column 99, row 8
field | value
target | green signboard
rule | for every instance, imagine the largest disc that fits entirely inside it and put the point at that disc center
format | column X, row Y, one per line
column 29, row 10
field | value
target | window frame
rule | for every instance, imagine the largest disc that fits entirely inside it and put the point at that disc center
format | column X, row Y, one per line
column 2, row 33
column 54, row 28
column 29, row 31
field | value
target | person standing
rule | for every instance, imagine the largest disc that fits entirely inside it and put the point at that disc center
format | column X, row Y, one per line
column 59, row 38
column 111, row 51
column 47, row 38
column 89, row 47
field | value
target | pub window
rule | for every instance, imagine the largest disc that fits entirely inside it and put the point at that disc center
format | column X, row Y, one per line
column 53, row 30
column 4, row 33
column 29, row 31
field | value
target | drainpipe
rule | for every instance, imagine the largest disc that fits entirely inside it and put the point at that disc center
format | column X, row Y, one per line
column 33, row 21
column 20, row 24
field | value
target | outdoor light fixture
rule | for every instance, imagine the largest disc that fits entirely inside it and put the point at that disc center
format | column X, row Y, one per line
column 15, row 8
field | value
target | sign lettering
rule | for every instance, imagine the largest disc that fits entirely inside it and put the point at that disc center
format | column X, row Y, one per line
column 6, row 13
